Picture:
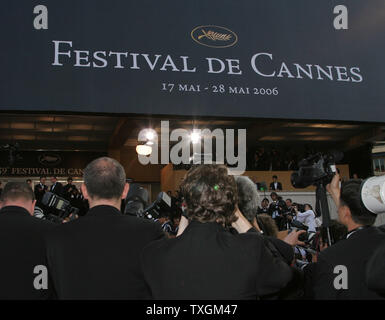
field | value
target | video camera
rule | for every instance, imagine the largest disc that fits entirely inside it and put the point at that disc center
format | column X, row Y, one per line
column 316, row 169
column 58, row 208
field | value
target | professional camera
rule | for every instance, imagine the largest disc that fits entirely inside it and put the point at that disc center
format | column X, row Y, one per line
column 288, row 215
column 137, row 204
column 163, row 206
column 300, row 207
column 316, row 169
column 278, row 206
column 282, row 205
column 58, row 208
column 306, row 237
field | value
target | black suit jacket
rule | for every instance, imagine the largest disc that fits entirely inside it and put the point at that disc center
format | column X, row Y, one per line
column 353, row 253
column 208, row 262
column 279, row 186
column 97, row 256
column 39, row 193
column 375, row 269
column 21, row 250
column 58, row 189
column 67, row 192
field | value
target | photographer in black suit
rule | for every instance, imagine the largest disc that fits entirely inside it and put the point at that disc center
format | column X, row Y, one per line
column 277, row 208
column 68, row 189
column 39, row 190
column 22, row 245
column 207, row 261
column 97, row 256
column 340, row 270
column 56, row 187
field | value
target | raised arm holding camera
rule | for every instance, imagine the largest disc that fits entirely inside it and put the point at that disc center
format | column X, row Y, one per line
column 340, row 270
column 307, row 217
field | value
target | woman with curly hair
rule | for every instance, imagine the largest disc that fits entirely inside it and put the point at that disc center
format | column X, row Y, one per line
column 206, row 261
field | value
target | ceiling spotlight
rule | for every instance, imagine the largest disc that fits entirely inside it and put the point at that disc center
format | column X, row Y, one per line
column 143, row 149
column 150, row 134
column 195, row 136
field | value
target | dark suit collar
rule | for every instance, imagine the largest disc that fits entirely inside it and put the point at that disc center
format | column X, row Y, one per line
column 15, row 210
column 360, row 231
column 103, row 210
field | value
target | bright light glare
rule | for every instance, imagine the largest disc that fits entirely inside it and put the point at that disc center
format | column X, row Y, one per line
column 150, row 134
column 195, row 137
column 143, row 150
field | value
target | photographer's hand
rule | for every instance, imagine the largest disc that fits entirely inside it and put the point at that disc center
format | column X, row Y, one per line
column 334, row 189
column 292, row 238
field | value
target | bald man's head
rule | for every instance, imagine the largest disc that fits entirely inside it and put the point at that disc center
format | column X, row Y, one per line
column 104, row 178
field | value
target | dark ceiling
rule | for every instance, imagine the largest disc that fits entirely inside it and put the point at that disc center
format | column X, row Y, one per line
column 53, row 132
column 99, row 133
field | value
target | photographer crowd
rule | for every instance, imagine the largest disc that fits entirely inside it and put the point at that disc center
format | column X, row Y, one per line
column 211, row 241
column 69, row 192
